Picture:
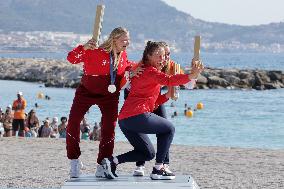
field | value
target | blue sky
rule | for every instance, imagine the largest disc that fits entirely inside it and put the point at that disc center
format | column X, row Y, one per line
column 241, row 12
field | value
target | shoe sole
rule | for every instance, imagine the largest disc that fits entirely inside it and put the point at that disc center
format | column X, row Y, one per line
column 74, row 177
column 100, row 176
column 107, row 169
column 138, row 174
column 160, row 177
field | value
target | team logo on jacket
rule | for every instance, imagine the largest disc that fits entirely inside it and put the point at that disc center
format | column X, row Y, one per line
column 125, row 81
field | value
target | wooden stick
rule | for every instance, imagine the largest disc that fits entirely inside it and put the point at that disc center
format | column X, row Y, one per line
column 197, row 41
column 178, row 71
column 173, row 90
column 98, row 23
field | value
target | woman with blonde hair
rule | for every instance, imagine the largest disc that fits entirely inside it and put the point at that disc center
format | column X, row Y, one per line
column 104, row 67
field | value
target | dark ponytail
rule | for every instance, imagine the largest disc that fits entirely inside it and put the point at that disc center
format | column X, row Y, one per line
column 151, row 46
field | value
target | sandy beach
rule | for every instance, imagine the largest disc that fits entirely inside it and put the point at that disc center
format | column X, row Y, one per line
column 42, row 163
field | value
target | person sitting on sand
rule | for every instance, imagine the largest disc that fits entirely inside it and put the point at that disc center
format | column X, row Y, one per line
column 136, row 119
column 62, row 127
column 54, row 127
column 32, row 122
column 46, row 129
column 7, row 120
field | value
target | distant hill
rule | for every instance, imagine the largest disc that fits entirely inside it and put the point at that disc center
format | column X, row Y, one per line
column 146, row 19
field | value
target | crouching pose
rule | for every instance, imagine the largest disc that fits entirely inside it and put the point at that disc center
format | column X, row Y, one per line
column 136, row 119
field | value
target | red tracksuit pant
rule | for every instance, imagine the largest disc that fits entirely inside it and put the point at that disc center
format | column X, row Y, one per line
column 93, row 91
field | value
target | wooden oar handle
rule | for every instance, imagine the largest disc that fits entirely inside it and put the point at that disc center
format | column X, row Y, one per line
column 197, row 41
column 98, row 23
column 174, row 69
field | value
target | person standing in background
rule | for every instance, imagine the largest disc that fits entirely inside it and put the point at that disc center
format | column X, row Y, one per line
column 19, row 106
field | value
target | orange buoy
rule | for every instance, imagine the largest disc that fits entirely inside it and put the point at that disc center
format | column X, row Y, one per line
column 189, row 113
column 199, row 106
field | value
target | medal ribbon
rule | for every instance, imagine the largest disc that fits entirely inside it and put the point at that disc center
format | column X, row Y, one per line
column 112, row 71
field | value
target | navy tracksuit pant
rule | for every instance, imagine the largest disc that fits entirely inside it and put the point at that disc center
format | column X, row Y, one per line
column 136, row 128
column 160, row 111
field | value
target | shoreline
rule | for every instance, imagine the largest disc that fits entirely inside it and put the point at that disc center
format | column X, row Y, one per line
column 60, row 73
column 38, row 162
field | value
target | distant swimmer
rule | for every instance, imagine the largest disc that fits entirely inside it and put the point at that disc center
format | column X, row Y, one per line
column 175, row 113
column 47, row 97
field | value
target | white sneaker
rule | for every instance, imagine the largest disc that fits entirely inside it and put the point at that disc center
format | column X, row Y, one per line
column 139, row 171
column 75, row 167
column 167, row 168
column 100, row 171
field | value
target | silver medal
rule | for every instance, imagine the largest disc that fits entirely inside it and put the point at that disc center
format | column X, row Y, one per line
column 111, row 88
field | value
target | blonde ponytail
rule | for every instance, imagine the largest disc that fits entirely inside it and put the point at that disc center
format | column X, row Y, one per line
column 108, row 45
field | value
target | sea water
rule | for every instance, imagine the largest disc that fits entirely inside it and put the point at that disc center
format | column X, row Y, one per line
column 230, row 118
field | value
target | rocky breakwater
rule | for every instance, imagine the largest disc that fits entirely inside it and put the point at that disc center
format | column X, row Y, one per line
column 240, row 79
column 60, row 73
column 55, row 73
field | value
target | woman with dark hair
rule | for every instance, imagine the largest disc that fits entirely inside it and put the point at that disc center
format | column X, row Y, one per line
column 62, row 127
column 160, row 111
column 32, row 122
column 136, row 119
column 104, row 68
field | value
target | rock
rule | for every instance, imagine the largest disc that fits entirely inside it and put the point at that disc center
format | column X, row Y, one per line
column 229, row 72
column 215, row 87
column 275, row 75
column 200, row 86
column 262, row 75
column 259, row 87
column 271, row 86
column 245, row 75
column 215, row 80
column 274, row 85
column 210, row 72
column 202, row 79
column 232, row 79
